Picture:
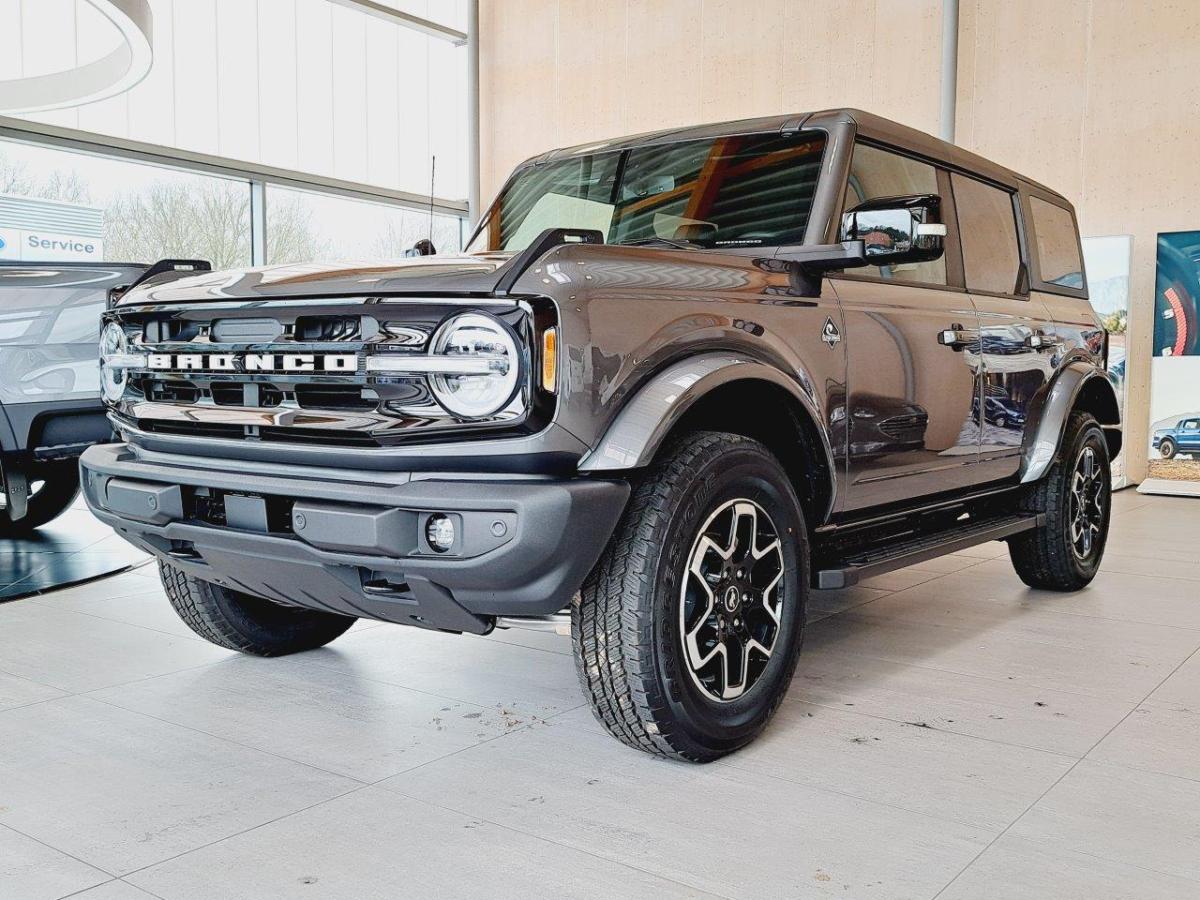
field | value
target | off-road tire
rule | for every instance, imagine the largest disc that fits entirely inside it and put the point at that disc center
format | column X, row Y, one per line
column 246, row 623
column 1167, row 449
column 625, row 621
column 60, row 487
column 1044, row 557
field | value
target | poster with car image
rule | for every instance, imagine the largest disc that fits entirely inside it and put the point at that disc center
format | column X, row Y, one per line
column 1175, row 369
column 1107, row 260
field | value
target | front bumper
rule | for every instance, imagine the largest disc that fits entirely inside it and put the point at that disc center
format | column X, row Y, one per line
column 353, row 542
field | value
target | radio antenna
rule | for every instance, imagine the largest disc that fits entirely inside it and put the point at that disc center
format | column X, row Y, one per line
column 432, row 172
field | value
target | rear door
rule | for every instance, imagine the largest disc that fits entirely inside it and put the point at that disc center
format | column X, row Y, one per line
column 910, row 398
column 1015, row 353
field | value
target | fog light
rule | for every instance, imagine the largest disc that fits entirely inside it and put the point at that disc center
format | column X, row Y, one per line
column 439, row 532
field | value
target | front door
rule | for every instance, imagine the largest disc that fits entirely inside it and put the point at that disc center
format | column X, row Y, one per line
column 910, row 404
column 910, row 395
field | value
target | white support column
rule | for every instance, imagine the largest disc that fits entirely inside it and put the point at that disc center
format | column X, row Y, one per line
column 258, row 223
column 949, row 69
column 473, row 211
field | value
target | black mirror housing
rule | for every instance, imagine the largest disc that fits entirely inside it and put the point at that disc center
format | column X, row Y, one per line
column 897, row 229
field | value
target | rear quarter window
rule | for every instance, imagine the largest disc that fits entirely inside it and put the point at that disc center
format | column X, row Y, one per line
column 1057, row 244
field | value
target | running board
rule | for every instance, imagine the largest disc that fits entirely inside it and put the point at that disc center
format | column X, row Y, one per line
column 857, row 566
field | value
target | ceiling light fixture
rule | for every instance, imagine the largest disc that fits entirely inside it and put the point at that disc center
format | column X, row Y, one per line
column 106, row 77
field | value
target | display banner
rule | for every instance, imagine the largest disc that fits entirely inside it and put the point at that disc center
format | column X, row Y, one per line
column 1175, row 368
column 1107, row 261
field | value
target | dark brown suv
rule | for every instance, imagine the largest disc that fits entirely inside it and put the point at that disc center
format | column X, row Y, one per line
column 675, row 383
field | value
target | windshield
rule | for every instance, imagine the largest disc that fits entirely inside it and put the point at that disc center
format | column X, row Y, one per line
column 738, row 191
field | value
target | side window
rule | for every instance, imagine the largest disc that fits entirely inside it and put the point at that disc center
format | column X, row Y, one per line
column 1057, row 244
column 876, row 173
column 987, row 230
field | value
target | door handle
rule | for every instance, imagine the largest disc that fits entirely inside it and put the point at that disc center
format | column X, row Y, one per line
column 955, row 337
column 1038, row 339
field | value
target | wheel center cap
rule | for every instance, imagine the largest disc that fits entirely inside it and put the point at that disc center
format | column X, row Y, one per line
column 732, row 598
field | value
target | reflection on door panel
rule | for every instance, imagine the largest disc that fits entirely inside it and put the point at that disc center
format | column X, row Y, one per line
column 1016, row 359
column 910, row 407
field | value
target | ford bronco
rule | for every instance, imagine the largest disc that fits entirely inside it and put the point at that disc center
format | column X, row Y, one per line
column 675, row 383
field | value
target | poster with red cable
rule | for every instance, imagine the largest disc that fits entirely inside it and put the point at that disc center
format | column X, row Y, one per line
column 1175, row 369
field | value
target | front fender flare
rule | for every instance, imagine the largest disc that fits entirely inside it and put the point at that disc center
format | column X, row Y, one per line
column 634, row 436
column 1044, row 433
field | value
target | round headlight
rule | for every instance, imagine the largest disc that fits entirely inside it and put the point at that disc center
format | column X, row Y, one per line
column 485, row 343
column 112, row 379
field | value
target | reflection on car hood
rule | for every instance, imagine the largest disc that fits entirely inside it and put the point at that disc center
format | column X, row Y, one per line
column 419, row 275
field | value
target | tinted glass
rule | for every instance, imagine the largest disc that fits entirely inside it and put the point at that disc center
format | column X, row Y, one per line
column 1057, row 244
column 739, row 191
column 988, row 232
column 876, row 173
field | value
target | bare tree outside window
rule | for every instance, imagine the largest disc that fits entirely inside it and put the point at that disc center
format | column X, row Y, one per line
column 16, row 179
column 209, row 220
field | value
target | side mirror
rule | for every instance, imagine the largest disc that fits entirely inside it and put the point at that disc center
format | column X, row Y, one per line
column 897, row 230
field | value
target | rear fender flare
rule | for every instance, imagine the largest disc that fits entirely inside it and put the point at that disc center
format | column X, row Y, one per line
column 1044, row 432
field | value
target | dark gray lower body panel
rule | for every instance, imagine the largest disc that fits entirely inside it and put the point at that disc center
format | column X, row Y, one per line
column 354, row 542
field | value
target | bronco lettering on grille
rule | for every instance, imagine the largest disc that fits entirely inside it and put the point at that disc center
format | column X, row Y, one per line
column 346, row 363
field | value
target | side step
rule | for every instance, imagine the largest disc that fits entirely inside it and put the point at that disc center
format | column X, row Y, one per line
column 855, row 566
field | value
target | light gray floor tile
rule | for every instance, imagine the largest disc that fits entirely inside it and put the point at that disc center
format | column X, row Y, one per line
column 1137, row 818
column 30, row 870
column 1011, row 712
column 1019, row 869
column 898, row 580
column 822, row 604
column 17, row 691
column 150, row 609
column 584, row 790
column 492, row 674
column 1153, row 566
column 1182, row 689
column 535, row 640
column 364, row 729
column 81, row 653
column 1155, row 738
column 990, row 550
column 1014, row 640
column 908, row 765
column 121, row 791
column 123, row 585
column 944, row 565
column 114, row 890
column 377, row 844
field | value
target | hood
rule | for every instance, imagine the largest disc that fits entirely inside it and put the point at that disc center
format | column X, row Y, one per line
column 437, row 275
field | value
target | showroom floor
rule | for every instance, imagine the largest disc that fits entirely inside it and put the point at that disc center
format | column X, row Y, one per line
column 950, row 734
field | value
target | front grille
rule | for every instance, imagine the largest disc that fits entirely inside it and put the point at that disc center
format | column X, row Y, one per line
column 323, row 396
column 335, row 396
column 905, row 428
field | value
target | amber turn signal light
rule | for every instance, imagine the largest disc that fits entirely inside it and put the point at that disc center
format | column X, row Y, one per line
column 550, row 359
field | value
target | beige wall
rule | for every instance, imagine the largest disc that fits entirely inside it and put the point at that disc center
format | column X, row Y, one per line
column 1096, row 98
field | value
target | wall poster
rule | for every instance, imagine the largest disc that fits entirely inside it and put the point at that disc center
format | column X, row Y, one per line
column 1107, row 261
column 1175, row 368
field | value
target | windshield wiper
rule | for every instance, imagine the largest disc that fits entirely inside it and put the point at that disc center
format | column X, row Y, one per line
column 681, row 245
